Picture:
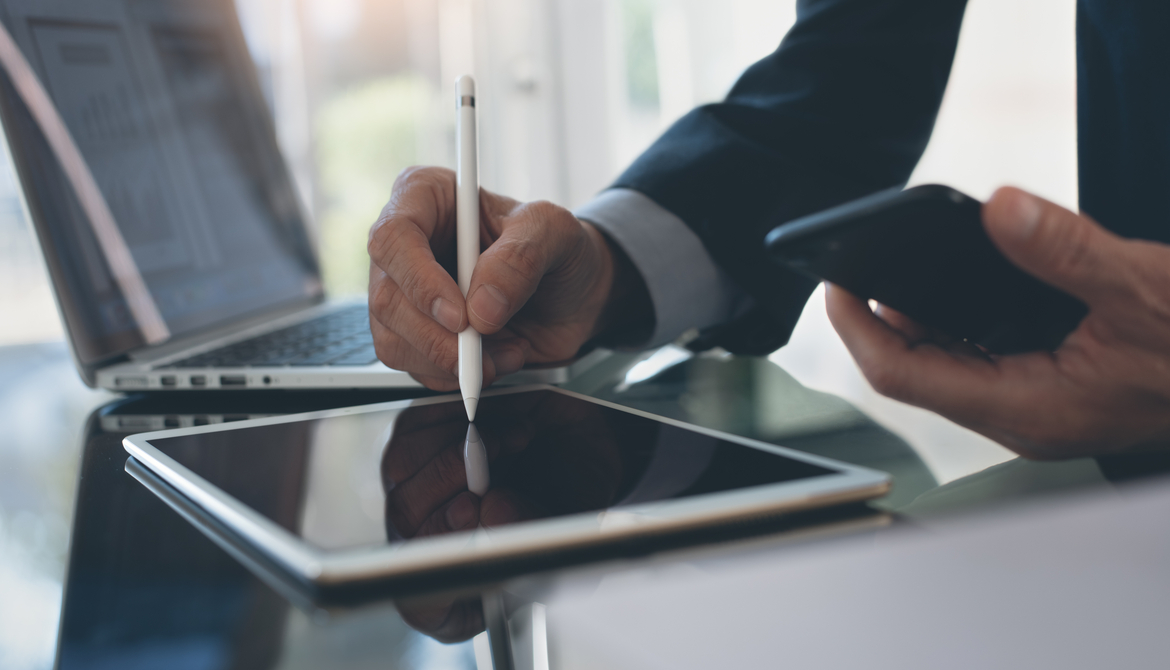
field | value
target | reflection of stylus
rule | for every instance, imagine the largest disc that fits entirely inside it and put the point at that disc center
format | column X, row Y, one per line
column 476, row 462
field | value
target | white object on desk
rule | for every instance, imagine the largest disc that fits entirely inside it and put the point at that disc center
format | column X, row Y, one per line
column 1078, row 582
column 467, row 236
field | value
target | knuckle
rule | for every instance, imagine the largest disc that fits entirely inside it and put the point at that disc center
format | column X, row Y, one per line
column 552, row 217
column 426, row 175
column 383, row 235
column 417, row 190
column 382, row 292
column 522, row 258
column 436, row 345
column 408, row 275
column 1072, row 257
column 542, row 211
column 396, row 258
column 417, row 289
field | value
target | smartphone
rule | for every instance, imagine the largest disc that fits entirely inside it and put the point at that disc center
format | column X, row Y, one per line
column 923, row 251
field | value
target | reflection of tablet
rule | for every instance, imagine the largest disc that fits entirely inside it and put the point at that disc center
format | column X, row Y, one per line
column 379, row 492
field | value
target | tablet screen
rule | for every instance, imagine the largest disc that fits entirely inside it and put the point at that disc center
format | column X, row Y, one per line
column 392, row 476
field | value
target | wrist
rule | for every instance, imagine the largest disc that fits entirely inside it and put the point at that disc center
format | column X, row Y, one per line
column 627, row 316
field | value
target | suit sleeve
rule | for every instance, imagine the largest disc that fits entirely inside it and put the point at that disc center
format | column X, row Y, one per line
column 843, row 108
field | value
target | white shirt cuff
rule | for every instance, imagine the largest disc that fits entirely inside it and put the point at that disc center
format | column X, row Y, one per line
column 687, row 288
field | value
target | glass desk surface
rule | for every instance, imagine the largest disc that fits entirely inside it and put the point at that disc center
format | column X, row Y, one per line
column 102, row 573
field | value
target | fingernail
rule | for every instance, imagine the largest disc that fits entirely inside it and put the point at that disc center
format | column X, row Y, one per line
column 1028, row 211
column 447, row 314
column 508, row 361
column 489, row 304
column 460, row 513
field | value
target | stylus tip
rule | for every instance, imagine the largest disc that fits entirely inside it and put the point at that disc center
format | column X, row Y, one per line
column 470, row 404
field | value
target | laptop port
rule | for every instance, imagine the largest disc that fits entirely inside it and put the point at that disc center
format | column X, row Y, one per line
column 198, row 380
column 168, row 381
column 234, row 417
column 233, row 380
column 171, row 422
column 201, row 421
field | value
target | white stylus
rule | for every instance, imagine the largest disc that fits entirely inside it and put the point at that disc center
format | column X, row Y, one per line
column 475, row 462
column 467, row 236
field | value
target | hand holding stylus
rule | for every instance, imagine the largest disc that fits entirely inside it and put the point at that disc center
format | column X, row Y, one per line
column 544, row 284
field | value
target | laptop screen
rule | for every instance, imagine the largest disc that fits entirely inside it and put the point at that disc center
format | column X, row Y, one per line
column 161, row 99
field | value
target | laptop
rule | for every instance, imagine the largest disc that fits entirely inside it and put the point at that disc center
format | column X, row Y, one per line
column 179, row 253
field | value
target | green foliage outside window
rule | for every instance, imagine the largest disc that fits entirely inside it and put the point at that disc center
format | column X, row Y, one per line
column 641, row 61
column 365, row 137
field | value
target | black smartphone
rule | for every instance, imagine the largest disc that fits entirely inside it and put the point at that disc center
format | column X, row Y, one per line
column 924, row 252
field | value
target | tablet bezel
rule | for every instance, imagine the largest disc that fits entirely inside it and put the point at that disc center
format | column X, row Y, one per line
column 322, row 568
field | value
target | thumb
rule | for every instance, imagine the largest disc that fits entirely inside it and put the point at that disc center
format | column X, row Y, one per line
column 1067, row 250
column 534, row 239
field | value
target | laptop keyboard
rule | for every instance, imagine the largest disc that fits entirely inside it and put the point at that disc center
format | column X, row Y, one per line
column 341, row 338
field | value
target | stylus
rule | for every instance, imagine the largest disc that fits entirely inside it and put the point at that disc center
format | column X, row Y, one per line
column 475, row 462
column 467, row 236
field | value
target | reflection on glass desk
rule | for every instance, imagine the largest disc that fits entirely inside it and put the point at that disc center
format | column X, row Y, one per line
column 144, row 588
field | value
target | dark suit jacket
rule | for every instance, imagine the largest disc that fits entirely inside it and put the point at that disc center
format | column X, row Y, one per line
column 845, row 106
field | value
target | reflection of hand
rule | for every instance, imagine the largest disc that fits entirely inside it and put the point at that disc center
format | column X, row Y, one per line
column 422, row 468
column 549, row 455
column 542, row 286
column 559, row 455
column 425, row 477
column 1107, row 387
column 426, row 495
column 446, row 619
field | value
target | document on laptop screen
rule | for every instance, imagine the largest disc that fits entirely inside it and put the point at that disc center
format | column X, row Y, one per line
column 161, row 101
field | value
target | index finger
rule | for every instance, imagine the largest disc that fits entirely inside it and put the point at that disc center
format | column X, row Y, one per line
column 418, row 220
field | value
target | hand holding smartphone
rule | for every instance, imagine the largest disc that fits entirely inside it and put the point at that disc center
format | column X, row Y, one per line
column 923, row 251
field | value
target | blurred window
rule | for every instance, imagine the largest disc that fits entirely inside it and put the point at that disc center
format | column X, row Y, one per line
column 570, row 92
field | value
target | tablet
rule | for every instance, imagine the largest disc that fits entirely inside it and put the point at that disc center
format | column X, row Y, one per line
column 400, row 491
